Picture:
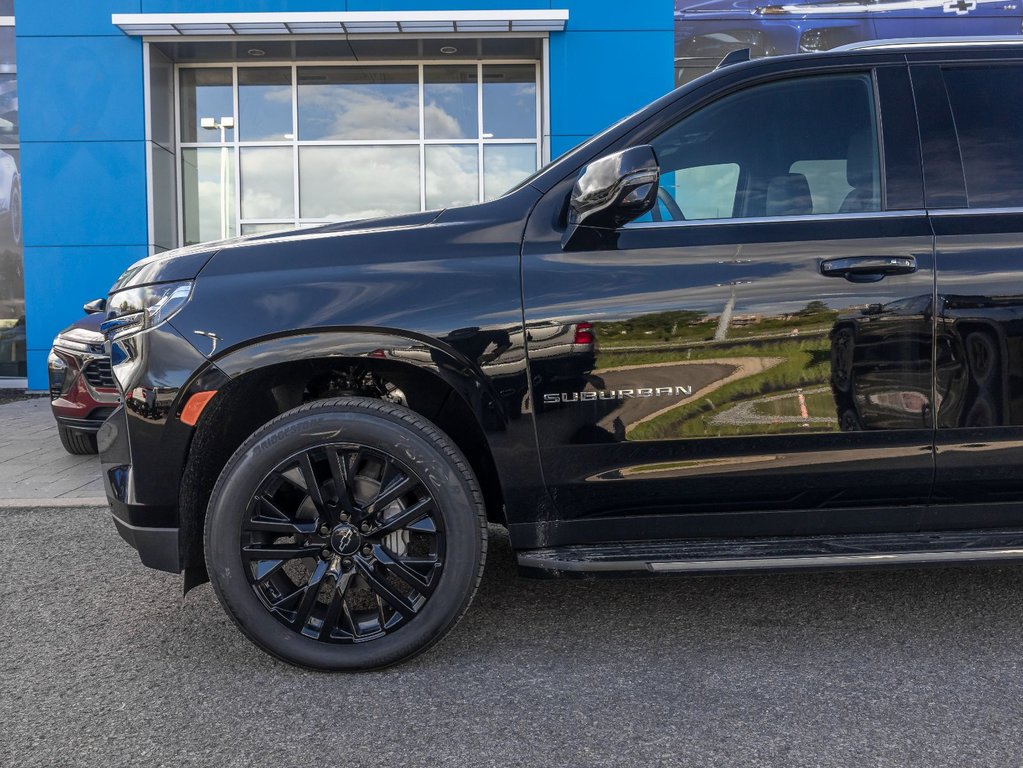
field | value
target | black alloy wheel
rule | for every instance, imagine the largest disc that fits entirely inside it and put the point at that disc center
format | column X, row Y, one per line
column 333, row 548
column 342, row 543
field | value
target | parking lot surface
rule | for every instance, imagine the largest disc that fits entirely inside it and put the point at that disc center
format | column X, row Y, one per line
column 105, row 664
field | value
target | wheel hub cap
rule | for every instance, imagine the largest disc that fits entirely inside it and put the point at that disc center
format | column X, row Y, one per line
column 345, row 539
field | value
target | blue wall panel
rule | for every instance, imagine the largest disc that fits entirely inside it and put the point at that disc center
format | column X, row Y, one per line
column 80, row 88
column 599, row 77
column 617, row 15
column 84, row 193
column 58, row 281
column 53, row 18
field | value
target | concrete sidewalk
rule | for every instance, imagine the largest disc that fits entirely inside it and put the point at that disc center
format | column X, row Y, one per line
column 35, row 470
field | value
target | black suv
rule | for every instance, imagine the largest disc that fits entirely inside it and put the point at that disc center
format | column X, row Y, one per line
column 745, row 328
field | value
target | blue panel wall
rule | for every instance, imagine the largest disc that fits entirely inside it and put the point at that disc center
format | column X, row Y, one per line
column 83, row 164
column 83, row 134
column 613, row 58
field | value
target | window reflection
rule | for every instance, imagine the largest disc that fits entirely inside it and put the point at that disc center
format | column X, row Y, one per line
column 205, row 93
column 504, row 166
column 450, row 102
column 358, row 182
column 208, row 184
column 345, row 103
column 13, row 352
column 265, row 228
column 509, row 101
column 266, row 183
column 452, row 175
column 264, row 104
column 369, row 140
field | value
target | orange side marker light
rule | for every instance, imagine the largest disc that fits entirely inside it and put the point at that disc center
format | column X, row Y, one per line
column 193, row 408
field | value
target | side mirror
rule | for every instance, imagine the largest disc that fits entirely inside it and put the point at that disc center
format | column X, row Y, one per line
column 95, row 306
column 614, row 190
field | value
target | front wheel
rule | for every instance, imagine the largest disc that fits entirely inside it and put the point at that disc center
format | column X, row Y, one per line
column 346, row 534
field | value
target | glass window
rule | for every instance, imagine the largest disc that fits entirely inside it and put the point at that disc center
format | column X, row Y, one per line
column 262, row 229
column 208, row 193
column 344, row 103
column 358, row 182
column 702, row 192
column 206, row 93
column 452, row 175
column 504, row 166
column 509, row 101
column 369, row 140
column 793, row 148
column 450, row 103
column 9, row 109
column 267, row 185
column 986, row 104
column 264, row 104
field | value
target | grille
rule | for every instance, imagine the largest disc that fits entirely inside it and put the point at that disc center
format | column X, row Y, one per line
column 99, row 375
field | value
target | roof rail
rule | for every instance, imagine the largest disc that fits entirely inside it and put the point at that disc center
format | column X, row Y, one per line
column 734, row 57
column 927, row 42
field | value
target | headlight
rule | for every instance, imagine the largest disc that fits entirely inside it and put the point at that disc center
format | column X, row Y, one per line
column 140, row 309
column 57, row 371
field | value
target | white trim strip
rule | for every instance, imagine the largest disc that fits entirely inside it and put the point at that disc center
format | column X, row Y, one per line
column 340, row 22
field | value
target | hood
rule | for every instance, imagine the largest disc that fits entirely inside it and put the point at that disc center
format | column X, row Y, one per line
column 186, row 263
column 82, row 335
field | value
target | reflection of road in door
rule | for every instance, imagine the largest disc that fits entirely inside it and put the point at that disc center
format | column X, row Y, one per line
column 702, row 377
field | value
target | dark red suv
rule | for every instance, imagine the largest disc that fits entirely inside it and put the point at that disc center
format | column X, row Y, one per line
column 82, row 389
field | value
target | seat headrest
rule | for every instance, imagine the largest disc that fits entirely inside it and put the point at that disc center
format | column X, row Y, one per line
column 789, row 195
column 861, row 162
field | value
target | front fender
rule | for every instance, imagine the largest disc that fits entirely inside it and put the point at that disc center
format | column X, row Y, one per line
column 454, row 368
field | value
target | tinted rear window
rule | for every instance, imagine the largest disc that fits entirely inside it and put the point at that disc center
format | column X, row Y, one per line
column 987, row 104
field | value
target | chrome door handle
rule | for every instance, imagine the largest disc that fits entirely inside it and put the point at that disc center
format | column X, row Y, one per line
column 868, row 269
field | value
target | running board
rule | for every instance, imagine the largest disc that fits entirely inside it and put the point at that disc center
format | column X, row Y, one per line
column 772, row 554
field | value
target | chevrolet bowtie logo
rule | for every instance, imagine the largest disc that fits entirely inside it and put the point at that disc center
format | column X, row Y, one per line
column 960, row 7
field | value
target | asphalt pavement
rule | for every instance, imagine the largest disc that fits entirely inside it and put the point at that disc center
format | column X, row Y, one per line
column 104, row 663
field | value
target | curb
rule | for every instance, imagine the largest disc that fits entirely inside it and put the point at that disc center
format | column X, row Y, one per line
column 86, row 501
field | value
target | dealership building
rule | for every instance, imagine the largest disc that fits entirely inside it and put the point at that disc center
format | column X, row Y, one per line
column 129, row 127
column 136, row 126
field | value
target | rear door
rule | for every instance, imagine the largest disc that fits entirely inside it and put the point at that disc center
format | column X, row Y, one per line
column 752, row 375
column 971, row 114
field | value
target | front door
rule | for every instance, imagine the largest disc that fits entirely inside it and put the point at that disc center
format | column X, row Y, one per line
column 755, row 356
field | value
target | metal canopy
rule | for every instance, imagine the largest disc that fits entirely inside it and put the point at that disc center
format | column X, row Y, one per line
column 340, row 22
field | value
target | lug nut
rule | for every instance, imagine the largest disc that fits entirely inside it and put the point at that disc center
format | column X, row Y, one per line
column 367, row 551
column 364, row 527
column 325, row 552
column 344, row 517
column 324, row 530
column 347, row 562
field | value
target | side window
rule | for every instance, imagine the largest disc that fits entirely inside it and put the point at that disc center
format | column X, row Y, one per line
column 987, row 105
column 798, row 147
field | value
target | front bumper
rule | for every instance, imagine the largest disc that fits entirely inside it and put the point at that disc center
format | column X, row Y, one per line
column 144, row 444
column 150, row 529
column 90, row 424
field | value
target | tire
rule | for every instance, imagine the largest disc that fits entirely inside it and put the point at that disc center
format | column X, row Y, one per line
column 76, row 442
column 331, row 595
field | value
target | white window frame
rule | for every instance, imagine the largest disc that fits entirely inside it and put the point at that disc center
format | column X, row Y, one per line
column 235, row 144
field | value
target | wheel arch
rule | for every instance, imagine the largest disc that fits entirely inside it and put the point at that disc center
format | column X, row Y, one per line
column 272, row 375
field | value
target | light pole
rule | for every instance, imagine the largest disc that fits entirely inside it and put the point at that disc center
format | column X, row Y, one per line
column 225, row 123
